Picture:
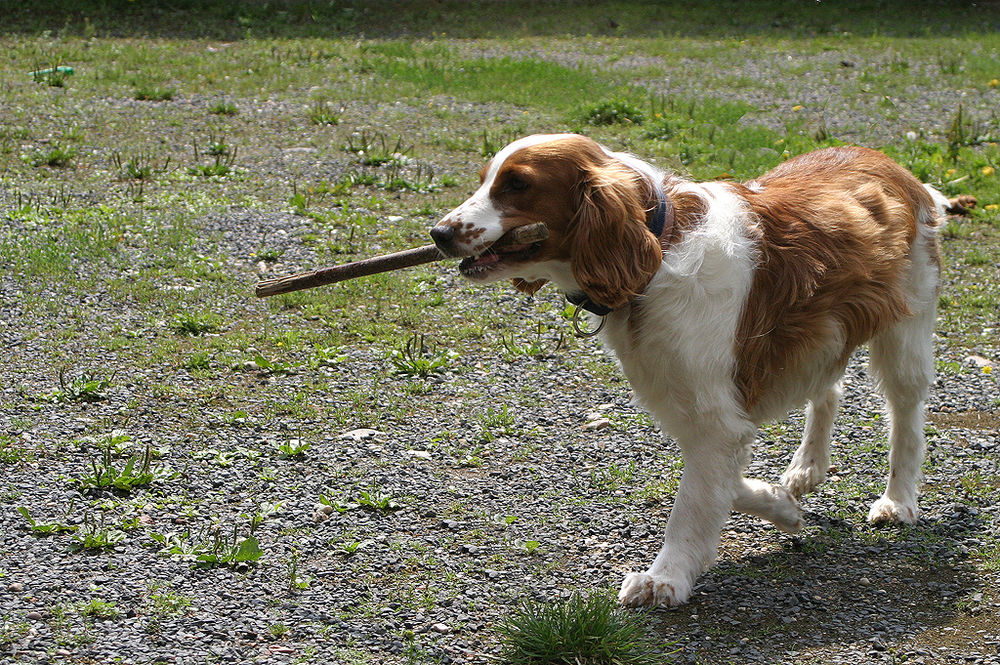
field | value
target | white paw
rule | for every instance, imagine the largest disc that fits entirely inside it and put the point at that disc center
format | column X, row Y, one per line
column 886, row 510
column 801, row 480
column 787, row 513
column 645, row 590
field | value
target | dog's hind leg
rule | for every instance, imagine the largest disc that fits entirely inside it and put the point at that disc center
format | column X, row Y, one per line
column 812, row 459
column 903, row 363
column 902, row 359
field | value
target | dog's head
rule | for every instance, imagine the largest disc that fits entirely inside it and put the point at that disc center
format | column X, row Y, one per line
column 593, row 204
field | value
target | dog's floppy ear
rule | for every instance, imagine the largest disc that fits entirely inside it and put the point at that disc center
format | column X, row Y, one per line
column 528, row 287
column 612, row 253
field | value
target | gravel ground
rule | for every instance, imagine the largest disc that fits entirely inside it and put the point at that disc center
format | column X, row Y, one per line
column 565, row 491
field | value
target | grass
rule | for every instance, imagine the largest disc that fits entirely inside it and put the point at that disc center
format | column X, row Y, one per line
column 581, row 629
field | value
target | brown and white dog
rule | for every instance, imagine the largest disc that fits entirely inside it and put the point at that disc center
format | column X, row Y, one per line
column 727, row 305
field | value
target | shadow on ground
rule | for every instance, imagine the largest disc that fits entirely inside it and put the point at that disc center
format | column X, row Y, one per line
column 892, row 591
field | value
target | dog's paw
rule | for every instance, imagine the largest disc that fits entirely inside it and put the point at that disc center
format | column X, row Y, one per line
column 645, row 590
column 800, row 480
column 885, row 511
column 787, row 513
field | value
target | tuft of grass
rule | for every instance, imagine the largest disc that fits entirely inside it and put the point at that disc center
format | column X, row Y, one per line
column 415, row 358
column 223, row 157
column 593, row 630
column 223, row 108
column 187, row 323
column 322, row 113
column 140, row 166
column 376, row 149
column 98, row 609
column 615, row 111
column 56, row 156
column 153, row 93
column 976, row 257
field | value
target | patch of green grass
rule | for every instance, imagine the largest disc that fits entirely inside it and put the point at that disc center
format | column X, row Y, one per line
column 321, row 112
column 194, row 324
column 13, row 631
column 223, row 108
column 615, row 111
column 153, row 93
column 12, row 451
column 55, row 156
column 594, row 629
column 97, row 608
column 168, row 603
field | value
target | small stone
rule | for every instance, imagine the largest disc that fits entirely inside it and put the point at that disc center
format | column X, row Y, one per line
column 15, row 588
column 598, row 424
column 33, row 616
column 864, row 581
column 360, row 434
column 441, row 628
column 978, row 361
column 422, row 454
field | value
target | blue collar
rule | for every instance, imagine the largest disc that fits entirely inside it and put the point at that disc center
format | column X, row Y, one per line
column 661, row 221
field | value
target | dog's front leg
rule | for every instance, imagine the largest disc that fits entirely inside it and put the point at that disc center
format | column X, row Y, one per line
column 704, row 499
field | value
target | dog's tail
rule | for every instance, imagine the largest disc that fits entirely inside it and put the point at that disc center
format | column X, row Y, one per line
column 960, row 205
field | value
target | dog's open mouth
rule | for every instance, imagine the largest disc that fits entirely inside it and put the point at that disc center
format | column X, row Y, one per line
column 492, row 258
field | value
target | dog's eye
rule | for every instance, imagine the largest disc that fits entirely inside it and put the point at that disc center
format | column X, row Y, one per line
column 517, row 184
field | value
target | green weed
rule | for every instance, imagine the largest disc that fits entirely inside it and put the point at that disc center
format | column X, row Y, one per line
column 415, row 358
column 95, row 536
column 137, row 472
column 140, row 166
column 322, row 113
column 44, row 528
column 85, row 387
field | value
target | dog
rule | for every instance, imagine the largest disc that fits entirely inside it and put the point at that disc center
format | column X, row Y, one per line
column 727, row 305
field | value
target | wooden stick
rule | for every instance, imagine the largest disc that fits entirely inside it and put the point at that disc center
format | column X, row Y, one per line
column 521, row 235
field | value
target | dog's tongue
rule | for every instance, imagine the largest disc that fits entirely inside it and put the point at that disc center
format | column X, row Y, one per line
column 487, row 259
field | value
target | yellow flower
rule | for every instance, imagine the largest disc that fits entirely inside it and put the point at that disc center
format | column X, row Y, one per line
column 988, row 171
column 994, row 83
column 988, row 369
column 949, row 173
column 992, row 206
column 797, row 107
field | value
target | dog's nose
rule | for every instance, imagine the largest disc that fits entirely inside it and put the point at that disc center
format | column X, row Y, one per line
column 442, row 235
